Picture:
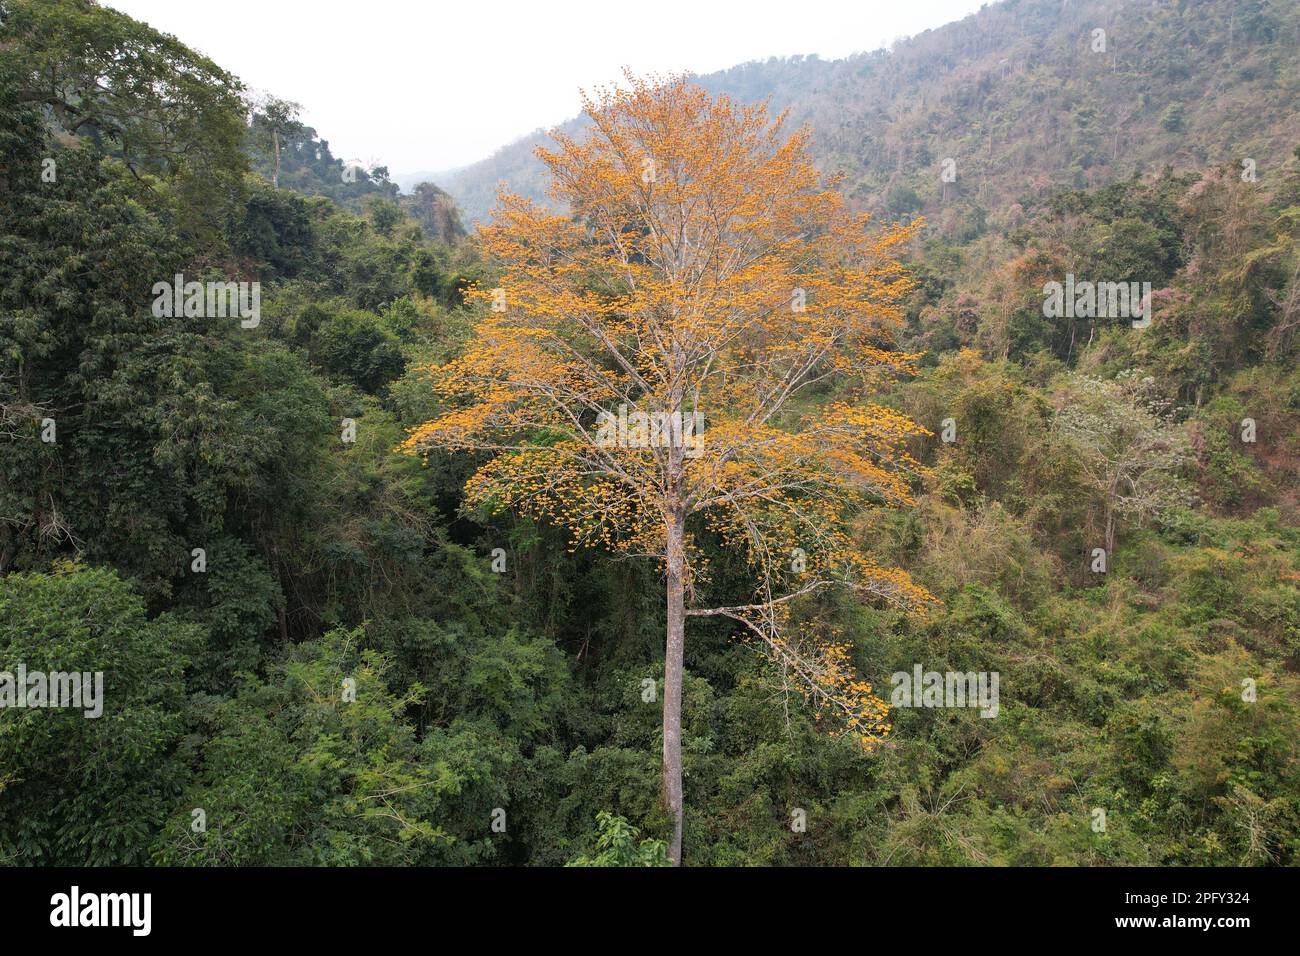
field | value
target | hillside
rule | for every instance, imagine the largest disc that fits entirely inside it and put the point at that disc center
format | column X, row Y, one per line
column 1017, row 97
column 309, row 168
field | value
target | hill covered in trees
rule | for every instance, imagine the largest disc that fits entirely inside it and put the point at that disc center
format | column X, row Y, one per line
column 307, row 166
column 1025, row 97
column 319, row 650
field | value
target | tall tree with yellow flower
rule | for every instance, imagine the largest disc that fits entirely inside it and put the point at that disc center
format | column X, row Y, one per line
column 689, row 351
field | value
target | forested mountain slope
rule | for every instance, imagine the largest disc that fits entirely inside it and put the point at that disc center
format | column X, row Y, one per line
column 308, row 167
column 1024, row 97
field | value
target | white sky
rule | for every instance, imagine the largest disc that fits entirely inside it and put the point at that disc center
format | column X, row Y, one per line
column 428, row 86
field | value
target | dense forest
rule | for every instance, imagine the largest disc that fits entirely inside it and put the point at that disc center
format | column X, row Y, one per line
column 222, row 516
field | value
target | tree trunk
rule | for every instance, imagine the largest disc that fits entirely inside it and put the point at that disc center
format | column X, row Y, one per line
column 275, row 150
column 1110, row 534
column 672, row 770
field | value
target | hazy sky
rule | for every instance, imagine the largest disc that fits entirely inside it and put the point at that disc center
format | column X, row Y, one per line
column 427, row 86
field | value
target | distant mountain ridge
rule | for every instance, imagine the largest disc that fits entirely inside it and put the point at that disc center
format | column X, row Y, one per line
column 1022, row 98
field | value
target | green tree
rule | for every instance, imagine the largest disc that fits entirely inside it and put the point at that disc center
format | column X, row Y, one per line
column 79, row 790
column 617, row 845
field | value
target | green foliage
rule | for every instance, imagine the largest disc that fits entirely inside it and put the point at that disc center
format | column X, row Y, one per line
column 350, row 787
column 90, row 789
column 356, row 346
column 617, row 845
column 139, row 95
